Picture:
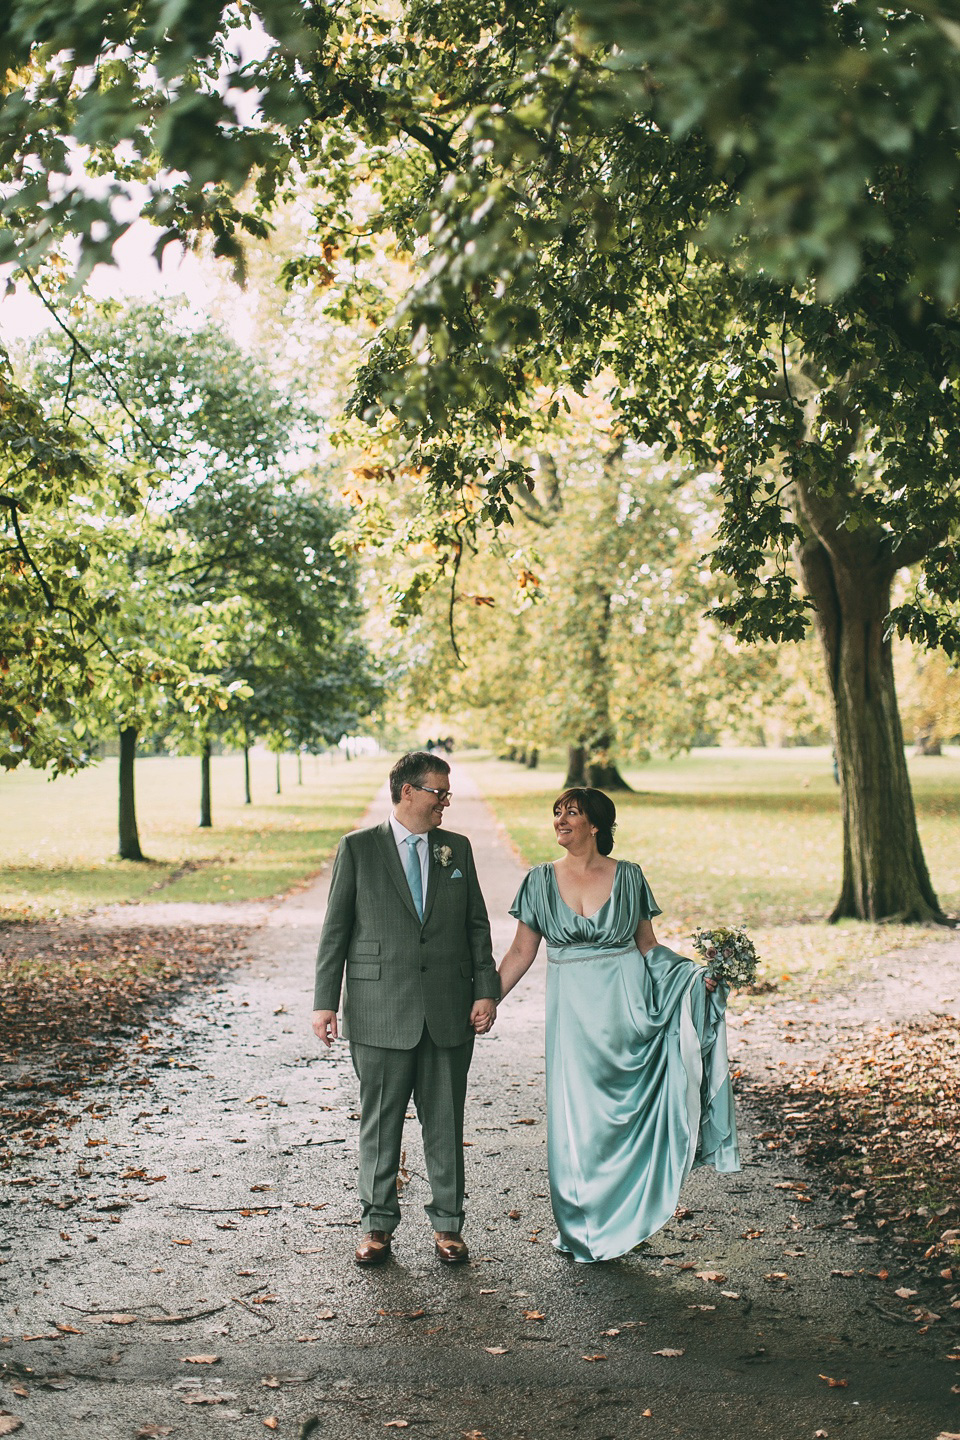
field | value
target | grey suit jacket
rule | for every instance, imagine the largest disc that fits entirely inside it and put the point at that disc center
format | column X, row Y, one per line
column 402, row 973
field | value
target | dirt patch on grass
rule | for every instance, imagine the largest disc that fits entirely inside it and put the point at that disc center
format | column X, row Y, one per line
column 77, row 1002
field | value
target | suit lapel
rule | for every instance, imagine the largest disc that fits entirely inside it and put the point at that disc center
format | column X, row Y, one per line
column 391, row 858
column 433, row 879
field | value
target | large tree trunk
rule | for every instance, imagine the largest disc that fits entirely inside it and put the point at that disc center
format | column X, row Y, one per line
column 247, row 797
column 576, row 766
column 591, row 765
column 129, row 838
column 278, row 773
column 206, row 809
column 848, row 578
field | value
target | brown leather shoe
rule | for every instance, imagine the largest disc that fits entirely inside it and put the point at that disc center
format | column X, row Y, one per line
column 450, row 1248
column 374, row 1248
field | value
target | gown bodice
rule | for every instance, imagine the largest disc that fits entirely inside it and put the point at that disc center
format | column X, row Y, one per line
column 570, row 936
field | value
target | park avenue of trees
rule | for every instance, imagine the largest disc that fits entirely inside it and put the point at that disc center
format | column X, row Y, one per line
column 653, row 311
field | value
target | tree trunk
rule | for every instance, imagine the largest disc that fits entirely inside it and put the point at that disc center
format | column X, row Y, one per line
column 299, row 767
column 928, row 743
column 278, row 773
column 129, row 839
column 885, row 874
column 604, row 775
column 206, row 811
column 591, row 765
column 247, row 796
column 576, row 767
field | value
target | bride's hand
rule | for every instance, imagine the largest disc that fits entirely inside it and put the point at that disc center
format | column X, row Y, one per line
column 710, row 983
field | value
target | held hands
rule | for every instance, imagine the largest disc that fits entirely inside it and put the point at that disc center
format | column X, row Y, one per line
column 482, row 1016
column 324, row 1024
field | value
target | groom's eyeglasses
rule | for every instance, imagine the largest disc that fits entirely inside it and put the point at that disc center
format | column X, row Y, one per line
column 440, row 794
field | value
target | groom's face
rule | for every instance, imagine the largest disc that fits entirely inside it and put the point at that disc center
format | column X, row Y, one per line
column 419, row 809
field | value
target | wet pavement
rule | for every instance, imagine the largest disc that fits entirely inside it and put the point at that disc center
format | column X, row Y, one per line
column 184, row 1266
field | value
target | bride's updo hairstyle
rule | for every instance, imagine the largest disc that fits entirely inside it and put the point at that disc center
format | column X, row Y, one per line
column 599, row 810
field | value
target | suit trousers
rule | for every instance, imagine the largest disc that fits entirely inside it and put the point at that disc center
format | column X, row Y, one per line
column 436, row 1077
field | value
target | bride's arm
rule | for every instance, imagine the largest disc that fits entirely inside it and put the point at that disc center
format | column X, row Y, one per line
column 519, row 957
column 645, row 939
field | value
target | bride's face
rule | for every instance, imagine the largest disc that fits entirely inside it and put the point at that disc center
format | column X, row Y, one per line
column 571, row 826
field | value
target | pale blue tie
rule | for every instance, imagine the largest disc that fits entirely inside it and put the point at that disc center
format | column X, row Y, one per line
column 414, row 876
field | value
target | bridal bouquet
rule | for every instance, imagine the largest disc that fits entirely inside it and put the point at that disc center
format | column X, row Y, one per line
column 729, row 953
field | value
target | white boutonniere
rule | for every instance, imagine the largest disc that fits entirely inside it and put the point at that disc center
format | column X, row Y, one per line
column 443, row 855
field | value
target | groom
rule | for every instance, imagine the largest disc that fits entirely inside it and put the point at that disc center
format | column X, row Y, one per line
column 406, row 918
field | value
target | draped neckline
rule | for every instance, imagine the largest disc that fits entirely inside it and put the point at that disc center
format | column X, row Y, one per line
column 593, row 915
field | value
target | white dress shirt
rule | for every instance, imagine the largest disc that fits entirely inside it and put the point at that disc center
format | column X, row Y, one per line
column 400, row 833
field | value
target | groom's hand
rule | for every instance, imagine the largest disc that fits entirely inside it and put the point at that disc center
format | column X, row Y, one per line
column 482, row 1015
column 325, row 1025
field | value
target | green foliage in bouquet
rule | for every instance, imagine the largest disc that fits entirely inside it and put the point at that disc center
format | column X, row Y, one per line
column 729, row 953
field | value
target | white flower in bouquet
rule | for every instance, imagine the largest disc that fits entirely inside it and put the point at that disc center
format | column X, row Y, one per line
column 729, row 953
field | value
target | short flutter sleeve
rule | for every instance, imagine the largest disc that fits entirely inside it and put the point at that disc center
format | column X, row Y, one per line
column 643, row 904
column 530, row 901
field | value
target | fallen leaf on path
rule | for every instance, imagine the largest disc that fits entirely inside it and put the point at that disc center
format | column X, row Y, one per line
column 401, row 1314
column 54, row 1336
column 609, row 1332
column 121, row 1319
column 396, row 1424
column 752, row 1234
column 730, row 1294
column 271, row 1422
column 777, row 1275
column 181, row 1242
column 671, row 1354
column 200, row 1359
column 21, row 1392
column 264, row 1299
column 259, row 1189
column 846, row 1274
column 204, row 1399
column 514, row 1214
column 9, row 1423
column 647, row 1414
column 701, row 1307
column 591, row 1358
column 331, row 1314
column 948, row 1435
column 497, row 1349
column 307, row 1339
column 905, row 1292
column 534, row 1315
column 714, row 1276
column 835, row 1384
column 488, row 1292
column 68, row 1329
column 527, row 1121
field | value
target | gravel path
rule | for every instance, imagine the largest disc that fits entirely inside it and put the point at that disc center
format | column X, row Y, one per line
column 213, row 1214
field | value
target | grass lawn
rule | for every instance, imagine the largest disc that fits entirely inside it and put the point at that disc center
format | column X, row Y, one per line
column 747, row 836
column 58, row 838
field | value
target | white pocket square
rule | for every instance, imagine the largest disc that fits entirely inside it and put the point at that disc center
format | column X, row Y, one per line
column 456, row 875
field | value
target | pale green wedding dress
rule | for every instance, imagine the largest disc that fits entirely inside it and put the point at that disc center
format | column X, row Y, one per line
column 638, row 1085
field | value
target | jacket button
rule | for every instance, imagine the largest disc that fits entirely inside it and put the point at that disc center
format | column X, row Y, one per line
column 423, row 940
column 423, row 967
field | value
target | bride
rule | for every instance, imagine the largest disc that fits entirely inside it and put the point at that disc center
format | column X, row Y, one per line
column 638, row 1089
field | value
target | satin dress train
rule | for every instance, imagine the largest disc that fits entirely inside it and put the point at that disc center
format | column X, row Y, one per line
column 638, row 1084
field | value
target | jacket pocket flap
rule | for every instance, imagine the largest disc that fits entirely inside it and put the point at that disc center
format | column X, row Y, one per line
column 357, row 970
column 367, row 947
